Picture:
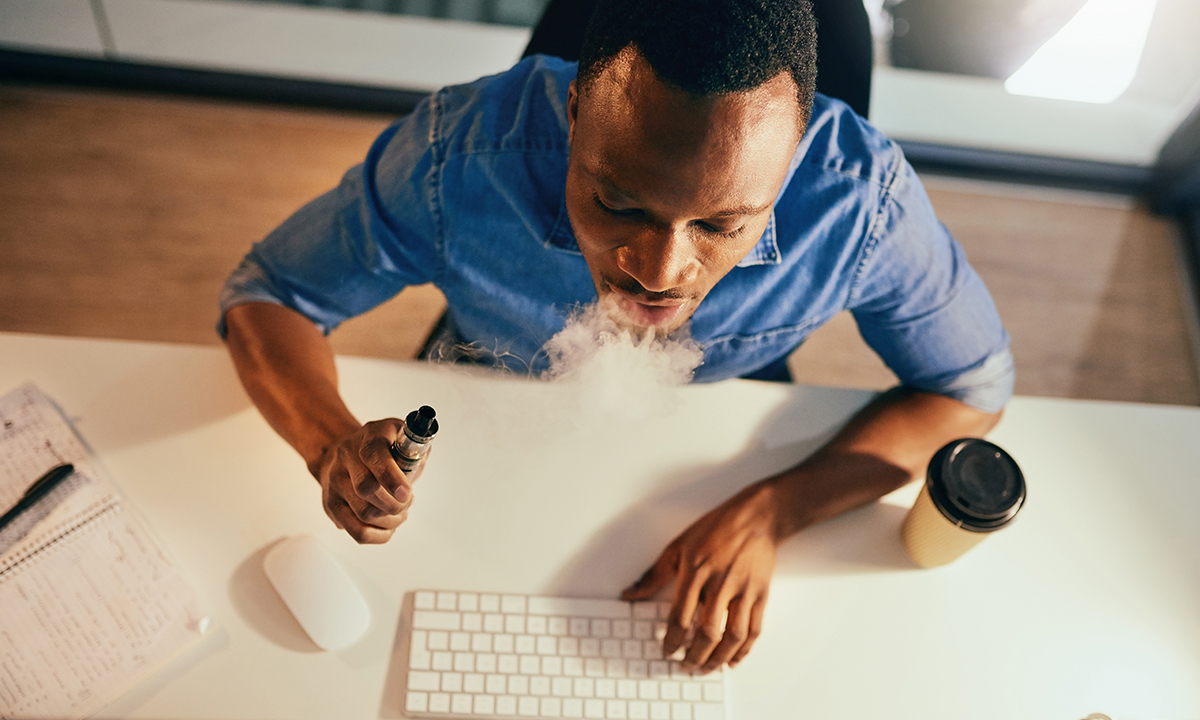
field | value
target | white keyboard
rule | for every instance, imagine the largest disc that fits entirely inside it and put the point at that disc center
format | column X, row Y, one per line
column 491, row 655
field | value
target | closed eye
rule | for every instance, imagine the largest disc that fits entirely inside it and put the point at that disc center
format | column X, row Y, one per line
column 619, row 212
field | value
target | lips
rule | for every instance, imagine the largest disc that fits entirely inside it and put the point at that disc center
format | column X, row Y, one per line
column 649, row 314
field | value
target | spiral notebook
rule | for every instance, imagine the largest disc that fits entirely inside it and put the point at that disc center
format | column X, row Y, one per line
column 89, row 603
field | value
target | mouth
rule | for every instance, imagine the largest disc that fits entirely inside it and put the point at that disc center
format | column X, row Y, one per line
column 650, row 313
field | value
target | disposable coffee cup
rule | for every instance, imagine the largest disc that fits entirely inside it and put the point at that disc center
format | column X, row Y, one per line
column 972, row 488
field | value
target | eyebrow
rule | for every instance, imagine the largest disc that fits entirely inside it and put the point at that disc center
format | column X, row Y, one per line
column 740, row 210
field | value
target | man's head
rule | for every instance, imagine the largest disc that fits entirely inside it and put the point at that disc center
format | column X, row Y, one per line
column 684, row 119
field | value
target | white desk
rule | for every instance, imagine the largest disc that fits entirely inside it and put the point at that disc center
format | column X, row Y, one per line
column 1089, row 603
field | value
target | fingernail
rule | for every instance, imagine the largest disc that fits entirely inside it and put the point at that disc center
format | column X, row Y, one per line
column 401, row 494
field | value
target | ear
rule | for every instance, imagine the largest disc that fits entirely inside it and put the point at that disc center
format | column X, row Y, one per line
column 572, row 110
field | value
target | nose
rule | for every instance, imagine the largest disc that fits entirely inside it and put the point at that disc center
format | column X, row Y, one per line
column 660, row 259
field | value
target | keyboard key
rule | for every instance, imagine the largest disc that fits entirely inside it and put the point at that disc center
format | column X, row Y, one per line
column 601, row 628
column 573, row 666
column 631, row 649
column 447, row 601
column 568, row 646
column 424, row 600
column 668, row 690
column 639, row 710
column 614, row 668
column 493, row 623
column 584, row 688
column 648, row 689
column 496, row 684
column 485, row 663
column 472, row 622
column 468, row 602
column 681, row 711
column 439, row 703
column 528, row 707
column 589, row 647
column 443, row 661
column 645, row 610
column 692, row 692
column 518, row 685
column 539, row 686
column 551, row 707
column 481, row 642
column 439, row 640
column 572, row 708
column 485, row 705
column 547, row 645
column 535, row 625
column 593, row 667
column 552, row 665
column 580, row 627
column 435, row 620
column 627, row 689
column 558, row 626
column 526, row 645
column 678, row 673
column 660, row 711
column 460, row 704
column 660, row 670
column 652, row 650
column 420, row 680
column 514, row 624
column 417, row 702
column 708, row 711
column 460, row 641
column 489, row 603
column 506, row 705
column 531, row 665
column 502, row 643
column 593, row 709
column 451, row 682
column 464, row 662
column 610, row 648
column 560, row 687
column 622, row 629
column 512, row 604
column 508, row 664
column 714, row 692
column 606, row 688
column 643, row 630
column 473, row 683
column 418, row 657
column 615, row 710
column 579, row 607
column 638, row 669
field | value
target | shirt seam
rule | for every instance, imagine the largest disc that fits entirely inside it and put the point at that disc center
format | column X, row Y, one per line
column 436, row 184
column 774, row 332
column 887, row 200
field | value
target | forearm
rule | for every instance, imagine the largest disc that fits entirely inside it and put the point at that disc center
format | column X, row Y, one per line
column 287, row 368
column 886, row 445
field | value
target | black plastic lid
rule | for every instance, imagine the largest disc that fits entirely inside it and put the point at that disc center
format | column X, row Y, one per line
column 421, row 422
column 976, row 485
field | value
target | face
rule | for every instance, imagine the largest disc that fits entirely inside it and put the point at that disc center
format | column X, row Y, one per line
column 668, row 192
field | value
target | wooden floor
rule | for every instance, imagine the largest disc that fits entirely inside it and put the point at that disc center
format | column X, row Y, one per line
column 123, row 213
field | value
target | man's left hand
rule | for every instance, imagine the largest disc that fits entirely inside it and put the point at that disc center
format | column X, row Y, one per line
column 722, row 565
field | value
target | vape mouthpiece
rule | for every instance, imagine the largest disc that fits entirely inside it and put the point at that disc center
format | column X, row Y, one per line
column 422, row 422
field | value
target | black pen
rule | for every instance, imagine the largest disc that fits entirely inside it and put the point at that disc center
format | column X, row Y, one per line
column 37, row 491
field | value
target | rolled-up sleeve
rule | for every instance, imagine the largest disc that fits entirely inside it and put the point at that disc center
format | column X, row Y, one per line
column 922, row 307
column 359, row 244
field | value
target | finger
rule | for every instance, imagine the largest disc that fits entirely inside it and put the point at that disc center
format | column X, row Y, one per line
column 375, row 453
column 362, row 533
column 688, row 585
column 755, row 628
column 709, row 625
column 655, row 578
column 371, row 515
column 737, row 630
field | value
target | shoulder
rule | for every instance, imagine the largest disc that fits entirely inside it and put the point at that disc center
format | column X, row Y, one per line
column 841, row 142
column 521, row 109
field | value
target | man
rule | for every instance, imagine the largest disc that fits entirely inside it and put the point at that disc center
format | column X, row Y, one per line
column 690, row 176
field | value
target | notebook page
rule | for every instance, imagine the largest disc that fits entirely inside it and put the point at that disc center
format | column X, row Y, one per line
column 91, row 604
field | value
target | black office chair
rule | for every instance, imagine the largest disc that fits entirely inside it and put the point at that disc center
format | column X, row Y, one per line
column 845, row 51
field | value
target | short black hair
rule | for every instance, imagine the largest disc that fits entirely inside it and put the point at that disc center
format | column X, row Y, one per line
column 708, row 47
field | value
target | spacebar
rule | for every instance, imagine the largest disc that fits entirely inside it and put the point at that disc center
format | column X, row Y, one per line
column 578, row 607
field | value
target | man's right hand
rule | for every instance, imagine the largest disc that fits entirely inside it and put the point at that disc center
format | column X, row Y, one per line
column 363, row 490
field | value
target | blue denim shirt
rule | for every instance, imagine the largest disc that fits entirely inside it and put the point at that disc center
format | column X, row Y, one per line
column 467, row 193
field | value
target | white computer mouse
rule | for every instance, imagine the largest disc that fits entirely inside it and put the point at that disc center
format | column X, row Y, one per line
column 317, row 590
